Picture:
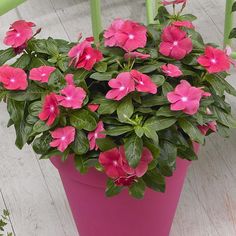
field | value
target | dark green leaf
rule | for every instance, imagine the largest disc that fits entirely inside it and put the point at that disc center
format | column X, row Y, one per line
column 133, row 150
column 83, row 119
column 22, row 62
column 112, row 189
column 232, row 33
column 106, row 76
column 81, row 143
column 51, row 153
column 119, row 130
column 154, row 100
column 155, row 180
column 159, row 80
column 40, row 126
column 125, row 109
column 41, row 144
column 159, row 123
column 101, row 66
column 192, row 130
column 107, row 107
column 105, row 144
column 6, row 55
column 137, row 189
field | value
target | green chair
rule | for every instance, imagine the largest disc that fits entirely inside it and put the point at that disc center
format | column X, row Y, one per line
column 229, row 17
column 7, row 5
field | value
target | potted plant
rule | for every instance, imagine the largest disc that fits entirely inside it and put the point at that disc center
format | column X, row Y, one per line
column 126, row 109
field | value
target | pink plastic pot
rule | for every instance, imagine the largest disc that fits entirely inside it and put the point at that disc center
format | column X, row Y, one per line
column 97, row 215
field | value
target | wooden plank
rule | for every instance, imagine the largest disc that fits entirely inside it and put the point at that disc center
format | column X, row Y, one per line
column 25, row 193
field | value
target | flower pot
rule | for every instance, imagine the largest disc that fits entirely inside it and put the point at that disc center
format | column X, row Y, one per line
column 122, row 215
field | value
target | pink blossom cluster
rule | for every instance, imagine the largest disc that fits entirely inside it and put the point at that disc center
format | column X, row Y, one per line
column 129, row 36
column 116, row 165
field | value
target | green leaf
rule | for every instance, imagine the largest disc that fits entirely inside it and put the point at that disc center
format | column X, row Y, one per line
column 166, row 112
column 105, row 76
column 32, row 93
column 23, row 130
column 159, row 80
column 22, row 62
column 188, row 17
column 101, row 66
column 119, row 130
column 35, row 108
column 167, row 158
column 147, row 68
column 40, row 127
column 137, row 189
column 107, row 107
column 112, row 189
column 187, row 153
column 163, row 15
column 232, row 33
column 166, row 88
column 125, row 109
column 51, row 153
column 154, row 100
column 41, row 144
column 152, row 134
column 155, row 180
column 159, row 123
column 224, row 118
column 81, row 144
column 105, row 144
column 83, row 119
column 6, row 55
column 133, row 150
column 234, row 7
column 139, row 131
column 80, row 164
column 191, row 130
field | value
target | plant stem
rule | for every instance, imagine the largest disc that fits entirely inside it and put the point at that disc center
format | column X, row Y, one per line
column 7, row 5
column 95, row 7
column 149, row 12
column 228, row 22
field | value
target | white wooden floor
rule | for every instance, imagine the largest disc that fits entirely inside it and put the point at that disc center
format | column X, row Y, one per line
column 32, row 190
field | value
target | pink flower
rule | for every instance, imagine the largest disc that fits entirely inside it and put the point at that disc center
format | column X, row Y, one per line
column 93, row 107
column 97, row 133
column 63, row 137
column 128, row 35
column 41, row 73
column 214, row 60
column 169, row 2
column 13, row 78
column 175, row 43
column 186, row 98
column 186, row 24
column 125, row 180
column 50, row 109
column 111, row 35
column 142, row 167
column 209, row 126
column 134, row 55
column 71, row 96
column 84, row 56
column 116, row 166
column 171, row 70
column 121, row 86
column 132, row 36
column 19, row 33
column 143, row 82
column 111, row 160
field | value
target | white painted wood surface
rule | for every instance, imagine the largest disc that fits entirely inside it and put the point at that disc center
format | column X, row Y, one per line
column 32, row 190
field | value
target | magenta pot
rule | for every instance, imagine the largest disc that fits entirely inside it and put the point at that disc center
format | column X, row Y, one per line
column 122, row 215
